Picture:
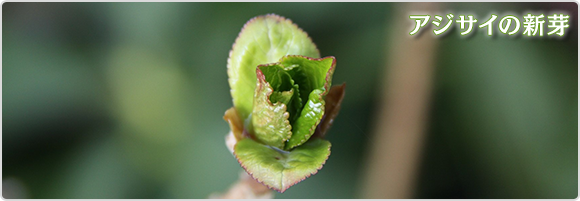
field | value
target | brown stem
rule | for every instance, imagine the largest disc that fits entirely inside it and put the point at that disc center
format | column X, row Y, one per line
column 401, row 119
column 245, row 188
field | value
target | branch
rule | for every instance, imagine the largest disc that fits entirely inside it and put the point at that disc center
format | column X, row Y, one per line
column 246, row 187
column 400, row 123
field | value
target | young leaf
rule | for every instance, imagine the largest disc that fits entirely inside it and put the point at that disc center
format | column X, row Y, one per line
column 314, row 77
column 269, row 121
column 306, row 123
column 285, row 90
column 333, row 101
column 263, row 39
column 289, row 102
column 310, row 73
column 236, row 125
column 279, row 169
column 282, row 97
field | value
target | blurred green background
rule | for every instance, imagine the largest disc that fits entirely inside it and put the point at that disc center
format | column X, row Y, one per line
column 125, row 100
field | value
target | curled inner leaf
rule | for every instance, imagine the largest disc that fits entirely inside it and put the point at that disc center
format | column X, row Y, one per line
column 296, row 87
column 333, row 101
column 314, row 77
column 269, row 121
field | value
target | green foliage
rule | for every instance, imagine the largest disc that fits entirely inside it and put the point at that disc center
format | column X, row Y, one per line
column 280, row 104
column 281, row 169
column 285, row 82
column 263, row 40
column 269, row 122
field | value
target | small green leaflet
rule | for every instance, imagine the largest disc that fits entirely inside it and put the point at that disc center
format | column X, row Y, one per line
column 283, row 102
column 279, row 169
column 271, row 122
column 314, row 77
column 263, row 40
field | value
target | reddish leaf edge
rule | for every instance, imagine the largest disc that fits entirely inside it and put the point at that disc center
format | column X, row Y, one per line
column 262, row 79
column 331, row 109
column 327, row 86
column 253, row 20
column 284, row 189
